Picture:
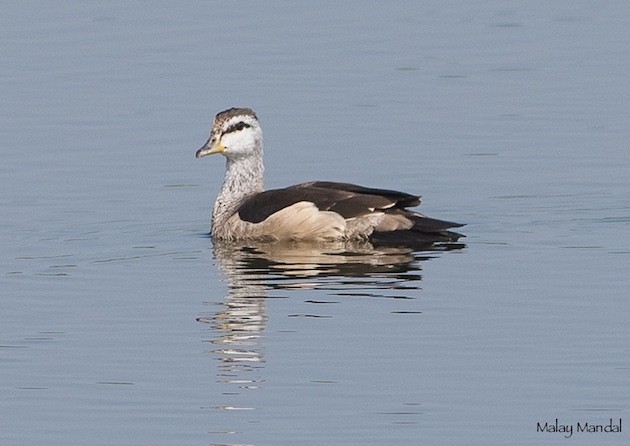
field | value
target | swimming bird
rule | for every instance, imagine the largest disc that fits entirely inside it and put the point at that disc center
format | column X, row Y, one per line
column 311, row 212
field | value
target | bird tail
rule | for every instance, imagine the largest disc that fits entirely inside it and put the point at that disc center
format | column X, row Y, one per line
column 425, row 232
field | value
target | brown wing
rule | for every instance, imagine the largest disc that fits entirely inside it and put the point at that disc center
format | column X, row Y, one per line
column 354, row 202
column 348, row 200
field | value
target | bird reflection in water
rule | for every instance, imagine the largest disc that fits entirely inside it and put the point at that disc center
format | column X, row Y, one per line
column 257, row 272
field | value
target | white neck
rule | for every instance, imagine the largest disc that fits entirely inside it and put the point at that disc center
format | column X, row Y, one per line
column 243, row 178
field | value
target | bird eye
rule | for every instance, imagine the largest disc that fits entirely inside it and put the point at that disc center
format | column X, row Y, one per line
column 236, row 127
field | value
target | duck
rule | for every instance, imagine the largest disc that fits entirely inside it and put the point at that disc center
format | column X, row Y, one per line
column 316, row 211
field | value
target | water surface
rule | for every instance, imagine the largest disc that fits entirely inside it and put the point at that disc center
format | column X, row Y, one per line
column 121, row 323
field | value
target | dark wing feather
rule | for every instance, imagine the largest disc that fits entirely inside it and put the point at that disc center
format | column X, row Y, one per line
column 415, row 239
column 260, row 206
column 358, row 205
column 428, row 224
column 348, row 200
column 402, row 199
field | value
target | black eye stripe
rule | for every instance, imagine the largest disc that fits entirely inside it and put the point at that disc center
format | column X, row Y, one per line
column 236, row 127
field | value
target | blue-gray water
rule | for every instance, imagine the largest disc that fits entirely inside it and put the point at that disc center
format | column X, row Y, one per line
column 121, row 324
